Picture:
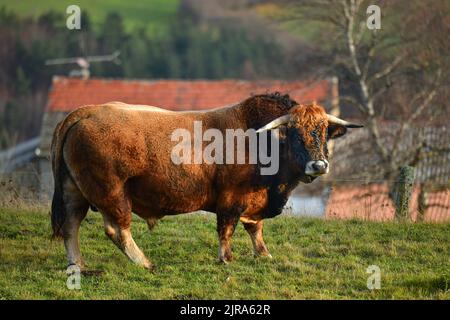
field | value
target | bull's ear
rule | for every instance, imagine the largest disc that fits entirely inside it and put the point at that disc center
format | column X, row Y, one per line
column 281, row 134
column 336, row 131
column 338, row 127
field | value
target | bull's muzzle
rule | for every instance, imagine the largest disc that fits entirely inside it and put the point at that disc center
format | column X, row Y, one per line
column 316, row 168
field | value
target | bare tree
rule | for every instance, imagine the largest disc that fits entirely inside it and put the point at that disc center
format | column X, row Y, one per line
column 400, row 66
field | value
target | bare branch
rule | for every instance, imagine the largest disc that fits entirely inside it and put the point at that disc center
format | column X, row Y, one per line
column 373, row 130
column 361, row 30
column 398, row 137
column 369, row 60
column 428, row 99
column 351, row 100
column 406, row 124
column 376, row 94
column 387, row 70
column 426, row 102
column 317, row 12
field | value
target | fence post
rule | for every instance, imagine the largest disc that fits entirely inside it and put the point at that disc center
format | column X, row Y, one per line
column 404, row 192
column 422, row 204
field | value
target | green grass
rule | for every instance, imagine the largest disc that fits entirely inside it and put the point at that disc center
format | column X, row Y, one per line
column 153, row 14
column 312, row 259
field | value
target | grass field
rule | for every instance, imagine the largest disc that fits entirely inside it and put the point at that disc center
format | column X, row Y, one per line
column 153, row 14
column 312, row 259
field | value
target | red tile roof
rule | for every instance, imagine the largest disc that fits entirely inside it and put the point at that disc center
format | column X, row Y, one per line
column 67, row 94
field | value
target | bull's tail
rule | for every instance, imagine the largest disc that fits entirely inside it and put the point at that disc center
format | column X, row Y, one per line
column 60, row 172
column 58, row 215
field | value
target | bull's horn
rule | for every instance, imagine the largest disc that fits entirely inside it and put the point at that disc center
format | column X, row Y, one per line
column 336, row 120
column 275, row 123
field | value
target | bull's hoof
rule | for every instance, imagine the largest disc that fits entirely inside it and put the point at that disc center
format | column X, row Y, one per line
column 264, row 255
column 150, row 267
column 225, row 260
column 78, row 266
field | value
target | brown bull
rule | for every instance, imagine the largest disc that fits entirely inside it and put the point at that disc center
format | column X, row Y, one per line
column 117, row 158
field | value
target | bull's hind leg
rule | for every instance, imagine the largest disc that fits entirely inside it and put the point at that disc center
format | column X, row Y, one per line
column 119, row 231
column 226, row 224
column 76, row 207
column 110, row 199
column 255, row 230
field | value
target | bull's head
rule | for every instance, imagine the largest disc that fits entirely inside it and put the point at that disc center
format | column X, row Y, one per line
column 307, row 130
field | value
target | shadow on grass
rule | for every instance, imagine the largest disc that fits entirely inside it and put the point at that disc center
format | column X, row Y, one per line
column 92, row 273
column 431, row 285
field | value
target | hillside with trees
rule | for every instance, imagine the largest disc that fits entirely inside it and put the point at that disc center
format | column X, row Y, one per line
column 188, row 49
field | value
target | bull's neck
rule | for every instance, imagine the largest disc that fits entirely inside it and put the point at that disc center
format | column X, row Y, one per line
column 255, row 116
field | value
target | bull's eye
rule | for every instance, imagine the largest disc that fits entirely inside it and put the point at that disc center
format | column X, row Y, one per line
column 316, row 138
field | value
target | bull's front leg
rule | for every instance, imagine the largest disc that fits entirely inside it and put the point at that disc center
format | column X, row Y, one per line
column 226, row 224
column 255, row 230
